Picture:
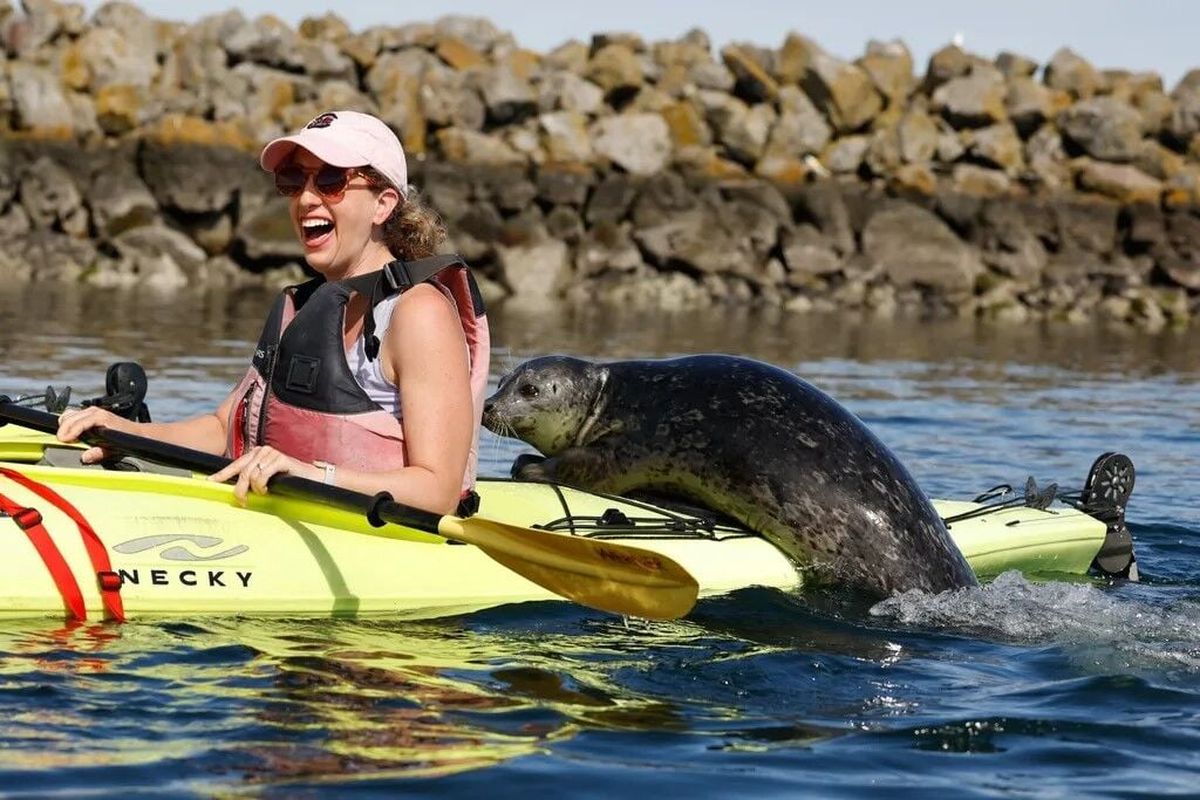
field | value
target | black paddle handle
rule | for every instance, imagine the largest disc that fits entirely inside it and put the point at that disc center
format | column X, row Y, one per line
column 378, row 509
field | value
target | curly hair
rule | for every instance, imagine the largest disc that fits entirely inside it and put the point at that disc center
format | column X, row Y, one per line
column 414, row 230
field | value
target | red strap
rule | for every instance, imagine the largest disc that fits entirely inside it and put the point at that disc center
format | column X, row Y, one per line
column 107, row 580
column 30, row 521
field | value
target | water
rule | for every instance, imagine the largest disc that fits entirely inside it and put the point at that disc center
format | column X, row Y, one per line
column 1016, row 689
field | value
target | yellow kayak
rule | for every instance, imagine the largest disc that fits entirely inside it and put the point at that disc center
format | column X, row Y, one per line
column 182, row 546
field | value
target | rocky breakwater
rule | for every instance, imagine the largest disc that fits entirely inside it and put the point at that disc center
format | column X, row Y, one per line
column 665, row 172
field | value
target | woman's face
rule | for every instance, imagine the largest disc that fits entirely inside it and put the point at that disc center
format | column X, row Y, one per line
column 337, row 233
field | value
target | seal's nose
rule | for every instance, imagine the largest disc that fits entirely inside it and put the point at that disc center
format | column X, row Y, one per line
column 488, row 405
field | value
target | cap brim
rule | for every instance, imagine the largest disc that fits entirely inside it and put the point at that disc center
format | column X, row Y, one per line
column 324, row 148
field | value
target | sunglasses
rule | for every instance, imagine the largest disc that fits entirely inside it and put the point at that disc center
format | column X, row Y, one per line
column 330, row 182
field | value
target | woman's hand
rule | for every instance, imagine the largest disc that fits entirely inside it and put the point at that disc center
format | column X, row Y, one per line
column 255, row 468
column 74, row 422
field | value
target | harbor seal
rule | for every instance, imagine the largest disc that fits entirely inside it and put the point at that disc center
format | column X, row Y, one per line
column 744, row 438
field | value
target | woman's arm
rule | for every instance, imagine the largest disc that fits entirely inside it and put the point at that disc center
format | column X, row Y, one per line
column 206, row 432
column 425, row 353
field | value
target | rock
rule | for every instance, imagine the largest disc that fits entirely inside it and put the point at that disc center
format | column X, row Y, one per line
column 800, row 128
column 890, row 67
column 824, row 204
column 159, row 257
column 473, row 147
column 1104, row 128
column 611, row 200
column 979, row 181
column 806, row 252
column 110, row 59
column 1015, row 67
column 845, row 155
column 686, row 125
column 998, row 146
column 458, row 55
column 570, row 56
column 327, row 27
column 39, row 103
column 615, row 68
column 913, row 181
column 1086, row 224
column 565, row 136
column 743, row 130
column 193, row 178
column 268, row 235
column 697, row 240
column 14, row 222
column 564, row 224
column 214, row 233
column 49, row 194
column 119, row 199
column 915, row 248
column 974, row 101
column 637, row 143
column 917, row 137
column 1072, row 74
column 953, row 62
column 794, row 58
column 1046, row 158
column 478, row 32
column 661, row 198
column 536, row 271
column 1008, row 244
column 569, row 92
column 507, row 97
column 1124, row 183
column 1156, row 110
column 843, row 91
column 565, row 184
column 753, row 82
column 449, row 99
column 1028, row 104
column 1157, row 161
column 607, row 247
column 47, row 256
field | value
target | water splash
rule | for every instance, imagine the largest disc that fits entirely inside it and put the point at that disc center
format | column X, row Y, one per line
column 1135, row 628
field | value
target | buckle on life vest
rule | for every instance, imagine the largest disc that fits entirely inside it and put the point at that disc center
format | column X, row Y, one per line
column 27, row 518
column 397, row 275
column 110, row 581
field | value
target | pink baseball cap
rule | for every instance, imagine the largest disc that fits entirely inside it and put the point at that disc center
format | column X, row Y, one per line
column 345, row 139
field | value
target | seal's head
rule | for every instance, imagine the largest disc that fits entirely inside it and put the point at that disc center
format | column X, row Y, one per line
column 549, row 402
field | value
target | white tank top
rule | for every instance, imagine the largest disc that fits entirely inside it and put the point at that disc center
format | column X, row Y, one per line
column 369, row 374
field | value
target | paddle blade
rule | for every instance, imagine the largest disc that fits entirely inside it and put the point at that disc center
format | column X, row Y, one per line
column 600, row 574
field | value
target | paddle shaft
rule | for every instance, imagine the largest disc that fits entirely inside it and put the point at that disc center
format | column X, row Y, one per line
column 379, row 509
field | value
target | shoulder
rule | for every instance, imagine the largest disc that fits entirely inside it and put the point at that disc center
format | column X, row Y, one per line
column 424, row 314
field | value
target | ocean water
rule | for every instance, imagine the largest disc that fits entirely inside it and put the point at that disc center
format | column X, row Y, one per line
column 1018, row 688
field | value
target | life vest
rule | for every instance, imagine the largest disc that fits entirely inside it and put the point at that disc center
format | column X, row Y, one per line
column 299, row 394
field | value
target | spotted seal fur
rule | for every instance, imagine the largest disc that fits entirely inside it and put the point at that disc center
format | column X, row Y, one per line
column 742, row 437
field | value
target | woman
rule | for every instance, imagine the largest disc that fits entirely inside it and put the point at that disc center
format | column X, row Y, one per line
column 371, row 376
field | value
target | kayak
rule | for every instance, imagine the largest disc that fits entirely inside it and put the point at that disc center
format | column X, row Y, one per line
column 180, row 545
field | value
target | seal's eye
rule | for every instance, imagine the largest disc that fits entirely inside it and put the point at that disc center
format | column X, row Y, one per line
column 528, row 391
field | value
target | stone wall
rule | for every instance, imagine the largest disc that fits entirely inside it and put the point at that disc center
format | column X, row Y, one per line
column 659, row 172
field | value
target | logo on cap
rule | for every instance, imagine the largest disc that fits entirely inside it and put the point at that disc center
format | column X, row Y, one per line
column 323, row 121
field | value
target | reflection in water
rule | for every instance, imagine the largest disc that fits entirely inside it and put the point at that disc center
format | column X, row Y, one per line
column 206, row 333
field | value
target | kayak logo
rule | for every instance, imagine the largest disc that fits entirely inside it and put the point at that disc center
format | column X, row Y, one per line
column 178, row 552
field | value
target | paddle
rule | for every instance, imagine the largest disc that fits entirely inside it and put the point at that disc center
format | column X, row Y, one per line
column 600, row 574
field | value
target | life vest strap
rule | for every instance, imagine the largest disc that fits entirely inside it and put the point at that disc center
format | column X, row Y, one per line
column 108, row 581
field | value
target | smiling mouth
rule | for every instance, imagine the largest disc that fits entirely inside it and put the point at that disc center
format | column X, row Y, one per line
column 314, row 230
